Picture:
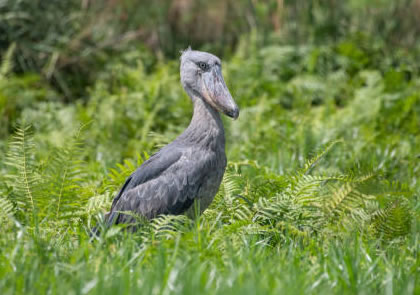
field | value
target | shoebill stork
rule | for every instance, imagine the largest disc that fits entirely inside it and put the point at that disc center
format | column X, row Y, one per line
column 188, row 171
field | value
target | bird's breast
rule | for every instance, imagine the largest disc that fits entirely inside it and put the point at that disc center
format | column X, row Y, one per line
column 211, row 179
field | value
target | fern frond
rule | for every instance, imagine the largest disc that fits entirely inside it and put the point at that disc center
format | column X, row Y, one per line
column 24, row 179
column 273, row 210
column 168, row 226
column 65, row 175
column 230, row 184
column 344, row 199
column 311, row 163
column 229, row 200
column 7, row 209
column 7, row 61
column 365, row 177
column 292, row 230
column 306, row 189
column 96, row 204
column 393, row 221
column 243, row 212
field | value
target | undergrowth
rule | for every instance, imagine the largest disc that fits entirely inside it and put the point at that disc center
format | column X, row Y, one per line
column 320, row 194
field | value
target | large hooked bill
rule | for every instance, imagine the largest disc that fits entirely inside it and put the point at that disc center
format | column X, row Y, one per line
column 217, row 94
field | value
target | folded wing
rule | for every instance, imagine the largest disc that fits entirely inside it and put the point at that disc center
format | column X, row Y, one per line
column 167, row 183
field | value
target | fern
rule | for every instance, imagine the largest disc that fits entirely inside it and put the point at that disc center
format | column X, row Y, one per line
column 312, row 205
column 51, row 194
column 168, row 226
column 62, row 197
column 7, row 61
column 393, row 221
column 97, row 204
column 7, row 210
column 311, row 163
column 344, row 199
column 24, row 178
column 228, row 200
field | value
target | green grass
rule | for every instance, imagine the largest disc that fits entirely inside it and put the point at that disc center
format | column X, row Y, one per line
column 197, row 262
column 321, row 194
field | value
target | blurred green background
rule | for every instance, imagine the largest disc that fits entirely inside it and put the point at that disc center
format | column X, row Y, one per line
column 325, row 153
column 69, row 42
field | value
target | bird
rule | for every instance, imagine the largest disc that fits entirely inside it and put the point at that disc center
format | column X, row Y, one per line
column 184, row 176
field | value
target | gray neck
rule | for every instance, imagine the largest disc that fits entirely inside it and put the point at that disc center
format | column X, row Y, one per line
column 206, row 127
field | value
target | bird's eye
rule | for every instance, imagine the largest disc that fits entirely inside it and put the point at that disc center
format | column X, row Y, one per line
column 203, row 66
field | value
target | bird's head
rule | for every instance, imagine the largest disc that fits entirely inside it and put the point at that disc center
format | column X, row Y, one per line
column 201, row 77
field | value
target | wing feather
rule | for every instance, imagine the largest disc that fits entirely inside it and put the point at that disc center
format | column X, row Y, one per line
column 167, row 184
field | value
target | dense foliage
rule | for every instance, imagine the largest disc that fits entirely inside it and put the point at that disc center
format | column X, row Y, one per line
column 321, row 193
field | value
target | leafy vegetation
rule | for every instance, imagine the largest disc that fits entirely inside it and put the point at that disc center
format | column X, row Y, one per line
column 321, row 193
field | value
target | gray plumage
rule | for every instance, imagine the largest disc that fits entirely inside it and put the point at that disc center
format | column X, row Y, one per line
column 190, row 168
